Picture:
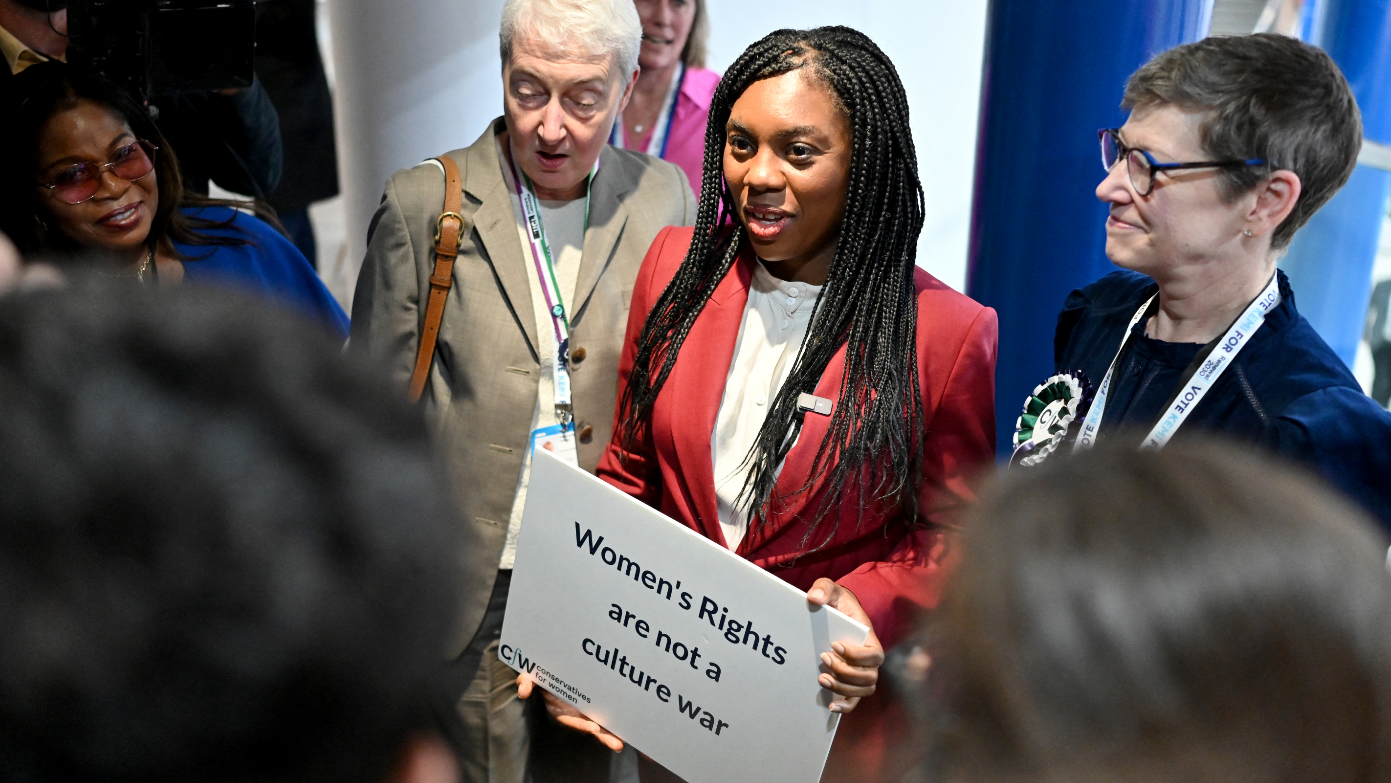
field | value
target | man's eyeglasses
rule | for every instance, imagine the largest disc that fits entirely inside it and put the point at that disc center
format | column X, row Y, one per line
column 80, row 182
column 1143, row 167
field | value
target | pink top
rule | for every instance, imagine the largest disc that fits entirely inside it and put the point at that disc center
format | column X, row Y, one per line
column 685, row 144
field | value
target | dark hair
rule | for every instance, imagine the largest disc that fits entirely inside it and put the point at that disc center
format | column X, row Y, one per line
column 41, row 91
column 1267, row 96
column 869, row 302
column 1199, row 613
column 225, row 552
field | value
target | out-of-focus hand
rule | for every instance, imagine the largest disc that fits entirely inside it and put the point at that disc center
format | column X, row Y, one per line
column 426, row 759
column 9, row 258
column 566, row 715
column 851, row 671
column 18, row 276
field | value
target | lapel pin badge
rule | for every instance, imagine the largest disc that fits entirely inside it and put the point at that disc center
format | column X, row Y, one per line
column 812, row 403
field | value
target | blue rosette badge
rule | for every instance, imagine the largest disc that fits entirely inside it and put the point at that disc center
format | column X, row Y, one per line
column 1049, row 413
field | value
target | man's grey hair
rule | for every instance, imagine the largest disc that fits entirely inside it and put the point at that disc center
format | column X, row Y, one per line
column 581, row 29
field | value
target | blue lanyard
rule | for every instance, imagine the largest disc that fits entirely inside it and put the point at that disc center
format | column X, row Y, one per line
column 661, row 132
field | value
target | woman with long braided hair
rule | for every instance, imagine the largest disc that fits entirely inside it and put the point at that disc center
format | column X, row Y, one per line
column 792, row 386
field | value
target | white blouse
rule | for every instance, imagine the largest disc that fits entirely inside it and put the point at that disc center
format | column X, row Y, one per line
column 770, row 338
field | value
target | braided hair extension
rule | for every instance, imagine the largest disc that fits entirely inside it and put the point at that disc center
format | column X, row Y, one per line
column 873, row 446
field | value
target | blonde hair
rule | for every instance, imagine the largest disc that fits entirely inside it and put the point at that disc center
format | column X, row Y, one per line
column 596, row 28
column 693, row 53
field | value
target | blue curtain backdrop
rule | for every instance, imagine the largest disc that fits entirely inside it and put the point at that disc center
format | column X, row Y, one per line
column 1330, row 261
column 1053, row 74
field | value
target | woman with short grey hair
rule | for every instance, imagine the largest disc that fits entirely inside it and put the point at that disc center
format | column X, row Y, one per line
column 1231, row 145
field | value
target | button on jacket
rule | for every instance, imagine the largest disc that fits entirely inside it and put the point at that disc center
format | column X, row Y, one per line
column 895, row 573
column 892, row 574
column 482, row 387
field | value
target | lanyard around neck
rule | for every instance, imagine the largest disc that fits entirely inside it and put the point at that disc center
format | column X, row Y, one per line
column 661, row 129
column 550, row 287
column 1196, row 386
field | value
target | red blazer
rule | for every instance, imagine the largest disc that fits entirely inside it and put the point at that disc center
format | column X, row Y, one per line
column 894, row 576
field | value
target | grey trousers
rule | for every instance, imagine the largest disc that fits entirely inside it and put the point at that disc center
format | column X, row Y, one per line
column 497, row 737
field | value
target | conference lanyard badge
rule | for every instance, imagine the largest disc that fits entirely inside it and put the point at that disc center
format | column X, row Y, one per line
column 558, row 439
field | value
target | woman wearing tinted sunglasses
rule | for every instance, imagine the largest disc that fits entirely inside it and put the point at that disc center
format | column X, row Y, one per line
column 90, row 178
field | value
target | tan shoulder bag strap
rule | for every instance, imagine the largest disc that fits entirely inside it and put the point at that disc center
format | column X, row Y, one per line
column 449, row 237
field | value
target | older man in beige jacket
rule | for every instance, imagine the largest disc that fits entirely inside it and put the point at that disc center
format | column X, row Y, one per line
column 496, row 383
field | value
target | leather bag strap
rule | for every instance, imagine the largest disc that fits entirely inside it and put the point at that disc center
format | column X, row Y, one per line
column 449, row 238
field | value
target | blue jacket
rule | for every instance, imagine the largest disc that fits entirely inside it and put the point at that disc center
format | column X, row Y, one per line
column 1286, row 391
column 270, row 265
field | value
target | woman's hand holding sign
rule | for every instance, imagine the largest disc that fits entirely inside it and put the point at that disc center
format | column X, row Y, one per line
column 566, row 715
column 851, row 671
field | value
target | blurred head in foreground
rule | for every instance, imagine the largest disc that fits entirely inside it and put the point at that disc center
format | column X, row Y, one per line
column 1194, row 614
column 223, row 548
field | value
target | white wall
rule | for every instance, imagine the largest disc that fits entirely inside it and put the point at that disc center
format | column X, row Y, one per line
column 413, row 79
column 418, row 78
column 937, row 46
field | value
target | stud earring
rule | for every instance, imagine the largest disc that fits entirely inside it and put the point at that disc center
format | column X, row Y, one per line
column 1247, row 232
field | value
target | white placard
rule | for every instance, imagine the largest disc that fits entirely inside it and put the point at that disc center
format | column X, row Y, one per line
column 699, row 658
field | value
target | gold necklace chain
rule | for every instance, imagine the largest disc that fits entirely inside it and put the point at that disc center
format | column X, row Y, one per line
column 145, row 265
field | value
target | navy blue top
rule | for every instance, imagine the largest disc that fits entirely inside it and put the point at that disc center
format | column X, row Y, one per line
column 1286, row 390
column 270, row 265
